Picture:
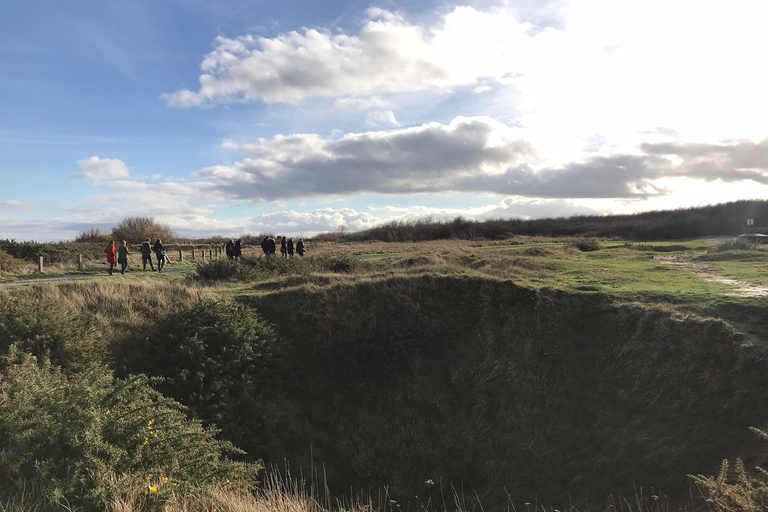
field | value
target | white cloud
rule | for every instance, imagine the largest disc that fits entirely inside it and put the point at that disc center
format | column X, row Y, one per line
column 381, row 118
column 296, row 224
column 360, row 104
column 101, row 169
column 509, row 207
column 17, row 206
column 388, row 55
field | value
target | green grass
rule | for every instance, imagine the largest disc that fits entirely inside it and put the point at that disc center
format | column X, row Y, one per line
column 743, row 265
column 625, row 273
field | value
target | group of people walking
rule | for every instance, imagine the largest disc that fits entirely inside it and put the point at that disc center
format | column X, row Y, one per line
column 234, row 250
column 147, row 248
column 269, row 247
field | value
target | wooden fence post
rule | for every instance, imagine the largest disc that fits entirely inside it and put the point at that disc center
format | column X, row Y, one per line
column 181, row 255
column 202, row 254
column 193, row 254
column 80, row 262
column 210, row 254
column 40, row 264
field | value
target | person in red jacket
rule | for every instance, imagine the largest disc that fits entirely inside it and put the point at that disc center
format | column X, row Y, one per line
column 110, row 250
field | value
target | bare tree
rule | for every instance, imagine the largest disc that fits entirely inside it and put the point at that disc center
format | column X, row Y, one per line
column 134, row 229
column 92, row 235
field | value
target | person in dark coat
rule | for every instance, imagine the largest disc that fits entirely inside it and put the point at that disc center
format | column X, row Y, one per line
column 290, row 247
column 238, row 248
column 111, row 257
column 159, row 254
column 300, row 247
column 146, row 254
column 122, row 257
column 271, row 247
column 283, row 248
column 231, row 249
column 265, row 246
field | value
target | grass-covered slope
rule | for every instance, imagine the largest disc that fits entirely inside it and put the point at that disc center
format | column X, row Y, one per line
column 487, row 385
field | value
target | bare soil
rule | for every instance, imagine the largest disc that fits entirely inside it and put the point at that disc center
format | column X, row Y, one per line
column 742, row 288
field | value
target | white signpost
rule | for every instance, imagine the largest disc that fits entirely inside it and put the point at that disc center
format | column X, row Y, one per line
column 750, row 223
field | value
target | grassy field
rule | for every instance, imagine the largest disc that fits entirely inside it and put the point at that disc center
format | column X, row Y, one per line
column 520, row 371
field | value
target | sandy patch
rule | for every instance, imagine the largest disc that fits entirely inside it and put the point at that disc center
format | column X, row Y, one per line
column 742, row 288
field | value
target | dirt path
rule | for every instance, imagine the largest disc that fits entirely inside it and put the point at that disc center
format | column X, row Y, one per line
column 743, row 289
column 44, row 280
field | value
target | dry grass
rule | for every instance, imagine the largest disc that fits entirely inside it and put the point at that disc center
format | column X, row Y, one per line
column 278, row 494
column 116, row 305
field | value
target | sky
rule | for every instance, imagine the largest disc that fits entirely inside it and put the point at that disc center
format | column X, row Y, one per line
column 232, row 117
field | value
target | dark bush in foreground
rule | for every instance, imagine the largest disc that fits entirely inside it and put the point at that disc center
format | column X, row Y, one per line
column 223, row 362
column 83, row 439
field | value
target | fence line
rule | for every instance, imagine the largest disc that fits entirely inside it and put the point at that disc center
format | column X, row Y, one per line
column 182, row 254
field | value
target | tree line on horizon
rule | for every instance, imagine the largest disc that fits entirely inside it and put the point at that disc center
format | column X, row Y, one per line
column 725, row 219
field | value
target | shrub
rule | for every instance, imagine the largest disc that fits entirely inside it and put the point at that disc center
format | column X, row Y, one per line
column 223, row 362
column 584, row 244
column 735, row 489
column 340, row 264
column 221, row 270
column 46, row 328
column 732, row 244
column 8, row 263
column 86, row 437
column 134, row 229
column 29, row 251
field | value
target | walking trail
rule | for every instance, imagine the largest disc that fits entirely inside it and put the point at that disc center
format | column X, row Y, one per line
column 57, row 279
column 742, row 288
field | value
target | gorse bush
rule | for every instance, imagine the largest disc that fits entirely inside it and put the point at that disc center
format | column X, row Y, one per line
column 48, row 329
column 29, row 251
column 223, row 362
column 8, row 263
column 86, row 437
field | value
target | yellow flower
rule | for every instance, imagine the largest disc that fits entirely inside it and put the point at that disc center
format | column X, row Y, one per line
column 165, row 479
column 153, row 489
column 106, row 413
column 149, row 476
